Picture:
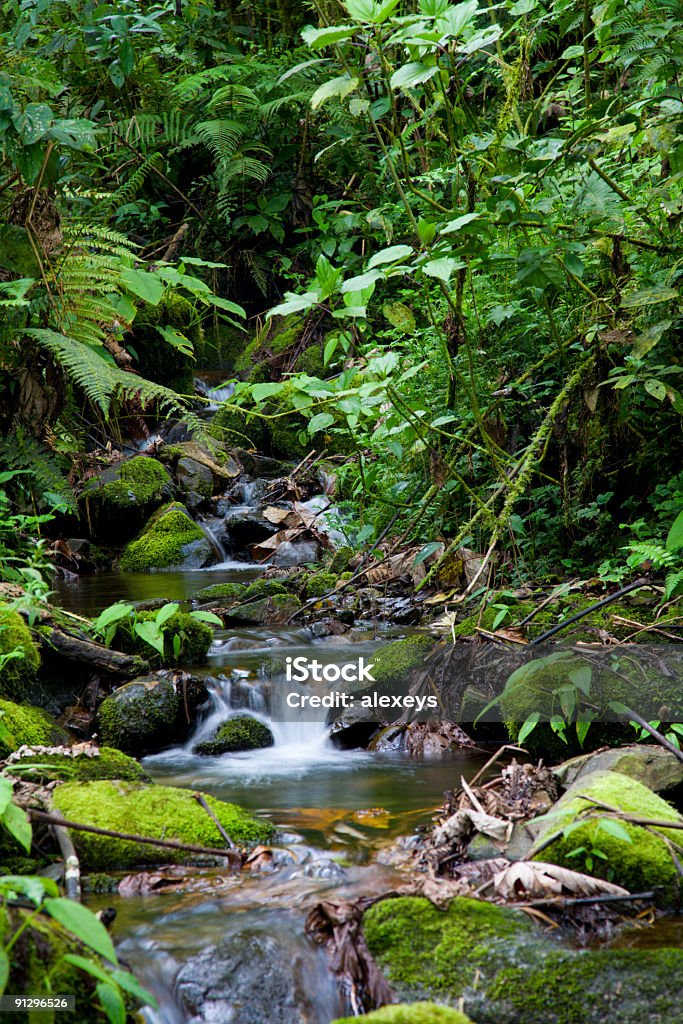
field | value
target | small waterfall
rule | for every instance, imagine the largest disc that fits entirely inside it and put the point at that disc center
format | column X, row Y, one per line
column 209, row 530
column 217, row 396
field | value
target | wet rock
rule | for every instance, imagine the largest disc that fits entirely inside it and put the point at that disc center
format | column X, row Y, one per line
column 652, row 765
column 149, row 714
column 242, row 732
column 298, row 552
column 117, row 501
column 638, row 858
column 500, row 968
column 247, row 978
column 29, row 725
column 195, row 482
column 96, row 763
column 157, row 812
column 267, row 611
column 170, row 540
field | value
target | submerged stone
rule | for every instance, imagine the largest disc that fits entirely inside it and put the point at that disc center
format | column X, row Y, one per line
column 239, row 733
column 160, row 812
column 170, row 540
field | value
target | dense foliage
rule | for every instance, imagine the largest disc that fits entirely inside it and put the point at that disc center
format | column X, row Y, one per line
column 464, row 221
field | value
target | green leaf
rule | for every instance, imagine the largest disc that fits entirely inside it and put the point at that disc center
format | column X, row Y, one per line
column 656, row 389
column 317, row 38
column 82, row 923
column 614, row 828
column 426, row 231
column 413, row 74
column 529, row 726
column 4, row 970
column 336, row 87
column 114, row 613
column 674, row 540
column 426, row 551
column 143, row 284
column 442, row 269
column 175, row 339
column 457, row 18
column 357, row 284
column 261, row 391
column 648, row 297
column 17, row 824
column 459, row 223
column 294, row 304
column 393, row 254
column 650, row 337
column 400, row 317
column 581, row 677
column 151, row 634
column 6, row 790
column 320, row 422
column 33, row 122
column 165, row 613
column 112, row 1002
column 207, row 617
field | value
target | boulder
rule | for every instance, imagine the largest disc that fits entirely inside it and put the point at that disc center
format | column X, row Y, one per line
column 267, row 611
column 104, row 763
column 186, row 640
column 195, row 482
column 28, row 725
column 655, row 767
column 395, row 660
column 159, row 812
column 117, row 501
column 239, row 733
column 149, row 713
column 496, row 966
column 637, row 858
column 258, row 603
column 17, row 674
column 170, row 540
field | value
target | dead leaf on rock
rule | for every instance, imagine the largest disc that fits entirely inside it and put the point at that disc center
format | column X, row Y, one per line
column 539, row 880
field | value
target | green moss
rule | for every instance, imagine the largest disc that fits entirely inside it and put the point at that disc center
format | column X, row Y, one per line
column 482, row 620
column 194, row 637
column 141, row 716
column 160, row 812
column 639, row 865
column 411, row 1013
column 139, row 483
column 220, row 592
column 500, row 969
column 394, row 660
column 276, row 609
column 239, row 733
column 111, row 764
column 320, row 583
column 38, row 967
column 289, row 438
column 238, row 593
column 156, row 359
column 17, row 674
column 31, row 726
column 341, row 559
column 165, row 541
column 310, row 362
column 235, row 427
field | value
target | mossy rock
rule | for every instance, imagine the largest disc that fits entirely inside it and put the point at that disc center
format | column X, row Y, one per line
column 341, row 559
column 118, row 500
column 274, row 610
column 393, row 661
column 156, row 359
column 148, row 714
column 230, row 592
column 496, row 966
column 194, row 638
column 643, row 863
column 238, row 593
column 31, row 726
column 158, row 812
column 289, row 438
column 269, row 347
column 411, row 1013
column 38, row 968
column 321, row 583
column 239, row 733
column 109, row 764
column 17, row 675
column 236, row 427
column 170, row 540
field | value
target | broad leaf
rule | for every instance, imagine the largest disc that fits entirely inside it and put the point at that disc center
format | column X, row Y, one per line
column 165, row 613
column 82, row 923
column 112, row 1002
column 674, row 540
column 317, row 38
column 209, row 617
column 320, row 422
column 411, row 75
column 337, row 87
column 151, row 634
column 391, row 255
column 143, row 284
column 442, row 269
column 529, row 726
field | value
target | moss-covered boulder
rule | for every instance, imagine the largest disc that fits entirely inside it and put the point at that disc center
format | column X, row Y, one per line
column 236, row 427
column 411, row 1013
column 640, row 862
column 186, row 640
column 650, row 764
column 29, row 725
column 258, row 603
column 156, row 358
column 17, row 673
column 158, row 812
column 393, row 661
column 149, row 714
column 267, row 611
column 239, row 593
column 239, row 733
column 170, row 540
column 496, row 966
column 107, row 764
column 321, row 583
column 117, row 501
column 37, row 967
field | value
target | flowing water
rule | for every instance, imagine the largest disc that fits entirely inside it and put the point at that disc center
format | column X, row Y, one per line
column 335, row 809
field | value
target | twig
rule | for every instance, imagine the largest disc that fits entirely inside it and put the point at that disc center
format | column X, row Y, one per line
column 72, row 868
column 168, row 844
column 202, row 803
column 636, row 585
column 492, row 760
column 662, row 740
column 607, row 898
column 472, row 798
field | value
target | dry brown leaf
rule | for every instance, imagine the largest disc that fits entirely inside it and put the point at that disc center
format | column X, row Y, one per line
column 279, row 515
column 460, row 826
column 535, row 878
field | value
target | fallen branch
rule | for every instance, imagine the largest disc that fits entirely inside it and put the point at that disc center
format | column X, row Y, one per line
column 202, row 803
column 561, row 902
column 662, row 740
column 168, row 844
column 96, row 655
column 636, row 585
column 72, row 868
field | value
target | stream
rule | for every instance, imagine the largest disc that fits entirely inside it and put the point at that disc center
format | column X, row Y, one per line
column 335, row 811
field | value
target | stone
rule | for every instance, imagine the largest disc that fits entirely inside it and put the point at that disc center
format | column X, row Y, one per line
column 194, row 477
column 116, row 502
column 17, row 674
column 170, row 540
column 30, row 726
column 242, row 732
column 655, row 767
column 148, row 714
